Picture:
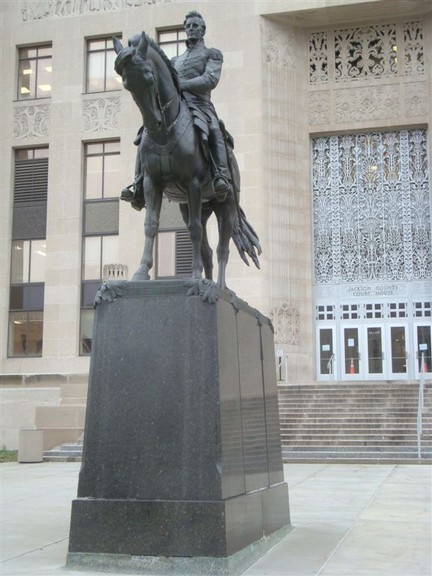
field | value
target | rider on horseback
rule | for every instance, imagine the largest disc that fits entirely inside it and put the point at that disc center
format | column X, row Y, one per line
column 199, row 70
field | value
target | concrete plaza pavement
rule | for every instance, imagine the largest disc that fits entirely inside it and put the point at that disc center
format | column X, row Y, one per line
column 349, row 520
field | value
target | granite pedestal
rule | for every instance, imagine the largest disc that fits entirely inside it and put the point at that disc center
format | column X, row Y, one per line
column 182, row 469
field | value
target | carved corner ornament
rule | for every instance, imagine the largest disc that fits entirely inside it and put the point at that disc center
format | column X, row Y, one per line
column 31, row 121
column 109, row 291
column 286, row 322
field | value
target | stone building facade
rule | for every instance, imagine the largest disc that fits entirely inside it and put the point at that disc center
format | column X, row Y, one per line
column 330, row 106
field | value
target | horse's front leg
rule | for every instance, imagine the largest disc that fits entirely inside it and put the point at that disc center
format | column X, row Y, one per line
column 195, row 227
column 206, row 251
column 225, row 214
column 153, row 199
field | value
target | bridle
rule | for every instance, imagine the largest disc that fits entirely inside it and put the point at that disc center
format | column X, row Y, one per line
column 121, row 61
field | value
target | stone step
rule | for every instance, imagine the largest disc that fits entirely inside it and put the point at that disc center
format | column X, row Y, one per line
column 341, row 429
column 343, row 449
column 353, row 442
column 63, row 416
column 76, row 390
column 358, row 457
column 339, row 423
column 64, row 453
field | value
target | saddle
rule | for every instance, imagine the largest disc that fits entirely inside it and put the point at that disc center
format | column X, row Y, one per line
column 202, row 121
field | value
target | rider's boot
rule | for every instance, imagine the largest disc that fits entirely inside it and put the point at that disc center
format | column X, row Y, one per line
column 221, row 183
column 134, row 193
column 221, row 186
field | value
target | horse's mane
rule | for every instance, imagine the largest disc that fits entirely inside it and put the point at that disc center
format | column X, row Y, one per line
column 167, row 61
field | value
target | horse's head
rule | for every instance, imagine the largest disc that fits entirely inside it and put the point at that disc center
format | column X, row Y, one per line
column 139, row 77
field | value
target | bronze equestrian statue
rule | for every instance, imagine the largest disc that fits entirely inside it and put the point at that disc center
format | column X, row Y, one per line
column 184, row 151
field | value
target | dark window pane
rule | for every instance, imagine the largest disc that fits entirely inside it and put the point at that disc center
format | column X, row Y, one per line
column 29, row 221
column 27, row 297
column 88, row 293
column 101, row 217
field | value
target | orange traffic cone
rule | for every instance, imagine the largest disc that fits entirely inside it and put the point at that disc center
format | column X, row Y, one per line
column 351, row 370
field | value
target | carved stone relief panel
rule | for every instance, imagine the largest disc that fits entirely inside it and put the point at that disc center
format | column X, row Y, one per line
column 278, row 45
column 31, row 121
column 319, row 107
column 285, row 319
column 367, row 103
column 416, row 99
column 42, row 9
column 101, row 114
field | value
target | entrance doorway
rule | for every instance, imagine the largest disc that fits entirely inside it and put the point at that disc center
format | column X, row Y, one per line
column 371, row 352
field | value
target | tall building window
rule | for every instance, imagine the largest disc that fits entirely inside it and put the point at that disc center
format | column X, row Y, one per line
column 172, row 41
column 101, row 76
column 174, row 253
column 100, row 226
column 34, row 72
column 28, row 256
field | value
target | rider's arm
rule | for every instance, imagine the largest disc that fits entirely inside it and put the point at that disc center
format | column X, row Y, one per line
column 210, row 77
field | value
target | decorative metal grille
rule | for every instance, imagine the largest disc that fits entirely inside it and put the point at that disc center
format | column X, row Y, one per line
column 366, row 53
column 413, row 45
column 318, row 59
column 371, row 207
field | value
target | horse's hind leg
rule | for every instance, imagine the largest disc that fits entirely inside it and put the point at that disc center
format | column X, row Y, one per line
column 153, row 200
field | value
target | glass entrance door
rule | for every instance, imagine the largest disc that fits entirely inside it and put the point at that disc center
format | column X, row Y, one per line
column 375, row 355
column 326, row 360
column 397, row 345
column 423, row 351
column 352, row 356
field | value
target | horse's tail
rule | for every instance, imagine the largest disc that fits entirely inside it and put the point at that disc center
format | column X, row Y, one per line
column 246, row 239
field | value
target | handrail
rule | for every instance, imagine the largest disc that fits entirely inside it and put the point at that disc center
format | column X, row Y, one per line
column 330, row 364
column 420, row 407
column 283, row 359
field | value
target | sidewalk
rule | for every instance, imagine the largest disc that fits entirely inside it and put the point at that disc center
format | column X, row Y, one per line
column 349, row 520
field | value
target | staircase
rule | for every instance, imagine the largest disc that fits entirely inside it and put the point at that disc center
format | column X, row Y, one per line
column 366, row 422
column 63, row 425
column 355, row 422
column 64, row 453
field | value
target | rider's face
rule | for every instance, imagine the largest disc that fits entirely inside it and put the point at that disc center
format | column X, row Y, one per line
column 194, row 28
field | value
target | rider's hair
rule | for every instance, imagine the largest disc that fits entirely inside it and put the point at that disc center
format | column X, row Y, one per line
column 194, row 14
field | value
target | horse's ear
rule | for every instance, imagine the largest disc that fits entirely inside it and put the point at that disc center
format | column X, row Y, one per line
column 143, row 46
column 118, row 46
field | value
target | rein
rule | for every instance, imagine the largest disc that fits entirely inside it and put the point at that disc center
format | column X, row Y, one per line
column 162, row 110
column 121, row 61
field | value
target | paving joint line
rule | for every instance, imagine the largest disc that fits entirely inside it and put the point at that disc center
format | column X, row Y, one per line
column 350, row 529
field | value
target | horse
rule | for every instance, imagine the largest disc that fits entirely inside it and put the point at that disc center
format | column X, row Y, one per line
column 176, row 164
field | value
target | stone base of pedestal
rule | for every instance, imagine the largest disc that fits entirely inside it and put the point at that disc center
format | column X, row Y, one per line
column 181, row 456
column 233, row 565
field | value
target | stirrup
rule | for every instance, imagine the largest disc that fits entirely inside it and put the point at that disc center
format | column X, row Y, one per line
column 134, row 194
column 128, row 193
column 221, row 187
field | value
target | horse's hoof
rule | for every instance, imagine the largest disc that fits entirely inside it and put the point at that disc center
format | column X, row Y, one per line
column 137, row 277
